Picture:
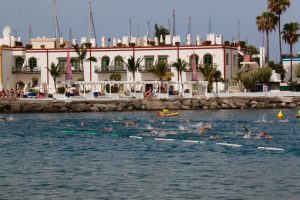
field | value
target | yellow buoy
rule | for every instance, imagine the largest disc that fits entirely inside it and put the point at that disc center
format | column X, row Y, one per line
column 280, row 115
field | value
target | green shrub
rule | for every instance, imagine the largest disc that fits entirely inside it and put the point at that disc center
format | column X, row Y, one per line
column 297, row 71
column 264, row 74
column 34, row 81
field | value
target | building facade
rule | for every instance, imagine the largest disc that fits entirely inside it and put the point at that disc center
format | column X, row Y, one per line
column 21, row 64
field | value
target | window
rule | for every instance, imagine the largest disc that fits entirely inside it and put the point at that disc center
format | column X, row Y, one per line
column 19, row 63
column 75, row 63
column 208, row 59
column 163, row 59
column 196, row 58
column 62, row 63
column 234, row 60
column 105, row 63
column 227, row 59
column 32, row 63
column 149, row 62
column 118, row 61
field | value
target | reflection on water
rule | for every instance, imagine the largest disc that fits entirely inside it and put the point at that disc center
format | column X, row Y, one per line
column 51, row 156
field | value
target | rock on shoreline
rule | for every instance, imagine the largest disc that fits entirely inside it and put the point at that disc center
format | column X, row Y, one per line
column 55, row 106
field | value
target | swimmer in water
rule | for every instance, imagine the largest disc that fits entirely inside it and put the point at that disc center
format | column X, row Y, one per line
column 265, row 135
column 106, row 129
column 202, row 129
column 129, row 123
column 214, row 137
column 10, row 119
column 81, row 123
column 247, row 132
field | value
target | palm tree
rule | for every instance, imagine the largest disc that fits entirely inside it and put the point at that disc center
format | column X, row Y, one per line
column 133, row 65
column 180, row 66
column 115, row 76
column 160, row 70
column 82, row 54
column 161, row 31
column 266, row 23
column 290, row 35
column 278, row 7
column 55, row 72
column 210, row 74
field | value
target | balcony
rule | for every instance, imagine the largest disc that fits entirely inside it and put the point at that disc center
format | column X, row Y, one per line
column 110, row 69
column 145, row 69
column 189, row 67
column 26, row 70
column 74, row 71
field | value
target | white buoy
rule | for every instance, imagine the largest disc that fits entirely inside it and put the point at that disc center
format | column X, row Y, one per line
column 164, row 139
column 136, row 137
column 270, row 148
column 229, row 145
column 193, row 141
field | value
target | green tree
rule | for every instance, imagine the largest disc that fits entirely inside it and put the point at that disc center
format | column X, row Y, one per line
column 160, row 70
column 278, row 7
column 55, row 72
column 264, row 74
column 180, row 66
column 132, row 65
column 115, row 76
column 82, row 55
column 290, row 35
column 210, row 75
column 34, row 81
column 297, row 71
column 161, row 31
column 266, row 23
column 278, row 69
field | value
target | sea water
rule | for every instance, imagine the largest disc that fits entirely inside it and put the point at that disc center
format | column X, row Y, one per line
column 100, row 156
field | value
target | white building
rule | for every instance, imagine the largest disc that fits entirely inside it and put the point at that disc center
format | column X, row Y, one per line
column 20, row 64
column 287, row 66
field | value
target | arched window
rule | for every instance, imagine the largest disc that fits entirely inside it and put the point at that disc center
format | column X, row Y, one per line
column 208, row 60
column 32, row 62
column 227, row 59
column 105, row 63
column 234, row 60
column 19, row 63
column 196, row 58
column 118, row 61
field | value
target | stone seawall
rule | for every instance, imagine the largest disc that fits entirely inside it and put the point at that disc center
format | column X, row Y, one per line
column 46, row 106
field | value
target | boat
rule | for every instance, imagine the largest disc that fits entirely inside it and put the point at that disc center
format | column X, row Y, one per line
column 168, row 114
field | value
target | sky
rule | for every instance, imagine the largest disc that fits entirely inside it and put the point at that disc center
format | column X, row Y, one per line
column 111, row 18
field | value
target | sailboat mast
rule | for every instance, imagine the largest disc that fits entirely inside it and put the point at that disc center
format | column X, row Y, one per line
column 148, row 31
column 30, row 33
column 92, row 23
column 56, row 26
column 89, row 24
column 129, row 30
column 174, row 29
column 190, row 26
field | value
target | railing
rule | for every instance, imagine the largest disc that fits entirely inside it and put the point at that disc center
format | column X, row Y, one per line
column 198, row 66
column 149, row 68
column 105, row 69
column 74, row 70
column 26, row 70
